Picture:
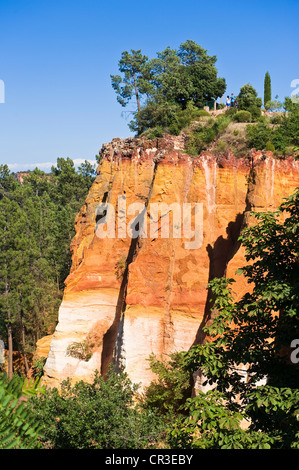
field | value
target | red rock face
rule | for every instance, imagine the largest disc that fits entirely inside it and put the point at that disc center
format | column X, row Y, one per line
column 128, row 298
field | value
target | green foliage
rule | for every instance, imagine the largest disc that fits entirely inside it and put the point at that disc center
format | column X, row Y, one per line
column 100, row 415
column 249, row 101
column 255, row 332
column 267, row 90
column 285, row 133
column 278, row 119
column 212, row 425
column 38, row 366
column 120, row 266
column 258, row 135
column 19, row 429
column 168, row 393
column 131, row 83
column 156, row 119
column 242, row 116
column 37, row 225
column 221, row 146
column 79, row 350
column 269, row 146
column 203, row 135
column 169, row 83
column 274, row 105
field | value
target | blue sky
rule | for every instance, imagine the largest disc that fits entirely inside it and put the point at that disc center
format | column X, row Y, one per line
column 56, row 58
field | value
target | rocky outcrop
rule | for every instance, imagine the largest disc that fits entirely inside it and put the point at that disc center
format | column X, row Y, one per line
column 127, row 298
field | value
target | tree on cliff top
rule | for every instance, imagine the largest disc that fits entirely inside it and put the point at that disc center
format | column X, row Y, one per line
column 168, row 83
column 131, row 82
column 267, row 89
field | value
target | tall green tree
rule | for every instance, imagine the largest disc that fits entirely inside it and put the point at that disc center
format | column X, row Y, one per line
column 267, row 89
column 131, row 83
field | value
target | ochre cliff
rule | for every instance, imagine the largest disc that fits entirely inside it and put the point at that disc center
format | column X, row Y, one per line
column 128, row 298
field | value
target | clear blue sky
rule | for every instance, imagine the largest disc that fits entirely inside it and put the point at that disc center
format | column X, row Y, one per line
column 56, row 57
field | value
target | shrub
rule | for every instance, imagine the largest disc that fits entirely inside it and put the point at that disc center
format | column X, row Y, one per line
column 98, row 415
column 255, row 112
column 79, row 350
column 242, row 116
column 231, row 112
column 258, row 135
column 220, row 146
column 120, row 267
column 169, row 392
column 276, row 119
column 263, row 119
column 269, row 146
column 202, row 136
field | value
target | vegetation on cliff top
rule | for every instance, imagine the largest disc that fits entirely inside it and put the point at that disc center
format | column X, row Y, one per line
column 171, row 90
column 164, row 86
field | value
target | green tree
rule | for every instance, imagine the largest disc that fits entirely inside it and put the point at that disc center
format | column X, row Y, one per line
column 248, row 100
column 131, row 82
column 36, row 225
column 100, row 415
column 256, row 333
column 169, row 82
column 267, row 89
column 169, row 392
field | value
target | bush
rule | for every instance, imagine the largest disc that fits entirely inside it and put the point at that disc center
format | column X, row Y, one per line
column 156, row 119
column 79, row 350
column 202, row 136
column 258, row 135
column 269, row 146
column 221, row 146
column 255, row 112
column 276, row 119
column 100, row 415
column 231, row 112
column 263, row 119
column 242, row 116
column 19, row 428
column 169, row 392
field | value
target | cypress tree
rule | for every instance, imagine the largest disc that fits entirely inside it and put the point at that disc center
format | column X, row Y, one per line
column 267, row 88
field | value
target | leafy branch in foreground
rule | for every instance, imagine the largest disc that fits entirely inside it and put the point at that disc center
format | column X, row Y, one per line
column 19, row 428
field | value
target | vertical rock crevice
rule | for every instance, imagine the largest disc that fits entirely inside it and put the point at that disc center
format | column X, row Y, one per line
column 113, row 338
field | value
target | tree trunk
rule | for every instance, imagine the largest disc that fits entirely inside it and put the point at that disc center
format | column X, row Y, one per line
column 24, row 345
column 10, row 348
column 136, row 94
